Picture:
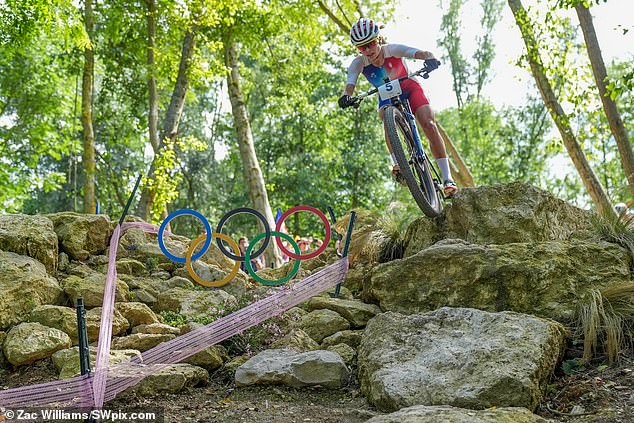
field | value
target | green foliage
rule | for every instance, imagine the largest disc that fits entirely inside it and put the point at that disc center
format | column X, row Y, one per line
column 173, row 319
column 573, row 366
column 501, row 145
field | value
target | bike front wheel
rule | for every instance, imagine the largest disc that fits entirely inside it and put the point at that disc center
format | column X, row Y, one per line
column 416, row 171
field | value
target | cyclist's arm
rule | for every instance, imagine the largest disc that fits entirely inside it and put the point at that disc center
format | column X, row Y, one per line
column 354, row 70
column 349, row 90
column 400, row 50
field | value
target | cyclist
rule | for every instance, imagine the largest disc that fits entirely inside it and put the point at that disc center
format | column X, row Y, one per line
column 378, row 61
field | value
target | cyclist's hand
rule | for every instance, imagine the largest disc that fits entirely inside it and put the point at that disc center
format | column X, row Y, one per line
column 432, row 64
column 345, row 101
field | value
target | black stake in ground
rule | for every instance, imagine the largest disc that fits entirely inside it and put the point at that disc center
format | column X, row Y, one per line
column 353, row 217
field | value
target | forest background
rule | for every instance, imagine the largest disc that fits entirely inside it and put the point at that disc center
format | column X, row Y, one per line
column 94, row 93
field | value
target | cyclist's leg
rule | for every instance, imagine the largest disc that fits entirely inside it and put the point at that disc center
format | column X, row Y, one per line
column 425, row 117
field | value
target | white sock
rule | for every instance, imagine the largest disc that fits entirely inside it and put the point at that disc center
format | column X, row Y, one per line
column 443, row 165
column 393, row 158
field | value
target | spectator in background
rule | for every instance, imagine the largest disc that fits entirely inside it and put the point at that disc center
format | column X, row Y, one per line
column 256, row 263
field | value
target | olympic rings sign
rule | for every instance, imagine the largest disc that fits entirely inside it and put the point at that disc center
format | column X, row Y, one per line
column 249, row 254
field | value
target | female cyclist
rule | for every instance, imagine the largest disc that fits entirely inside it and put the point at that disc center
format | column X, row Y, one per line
column 379, row 61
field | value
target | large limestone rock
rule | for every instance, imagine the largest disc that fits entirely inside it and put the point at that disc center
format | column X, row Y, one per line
column 171, row 380
column 285, row 367
column 67, row 361
column 511, row 213
column 548, row 279
column 91, row 289
column 58, row 317
column 24, row 286
column 355, row 312
column 447, row 414
column 140, row 341
column 81, row 235
column 93, row 323
column 31, row 236
column 296, row 340
column 461, row 357
column 320, row 324
column 137, row 313
column 29, row 342
column 139, row 245
column 194, row 304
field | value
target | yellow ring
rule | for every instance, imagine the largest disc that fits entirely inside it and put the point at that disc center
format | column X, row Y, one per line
column 190, row 269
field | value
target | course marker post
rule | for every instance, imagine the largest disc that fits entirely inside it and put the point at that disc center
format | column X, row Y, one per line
column 353, row 217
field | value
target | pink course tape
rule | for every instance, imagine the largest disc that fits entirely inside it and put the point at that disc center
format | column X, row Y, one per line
column 107, row 381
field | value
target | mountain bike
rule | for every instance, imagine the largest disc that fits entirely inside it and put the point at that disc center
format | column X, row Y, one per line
column 421, row 177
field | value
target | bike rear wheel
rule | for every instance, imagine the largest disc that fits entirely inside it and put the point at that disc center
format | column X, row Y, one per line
column 415, row 171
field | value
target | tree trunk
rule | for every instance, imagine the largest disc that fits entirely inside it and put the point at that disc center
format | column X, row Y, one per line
column 252, row 172
column 172, row 118
column 589, row 178
column 459, row 170
column 609, row 106
column 151, row 66
column 90, row 204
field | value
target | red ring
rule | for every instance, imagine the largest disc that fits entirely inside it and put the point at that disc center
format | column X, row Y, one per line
column 315, row 253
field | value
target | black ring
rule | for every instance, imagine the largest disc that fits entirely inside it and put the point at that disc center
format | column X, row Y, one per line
column 267, row 230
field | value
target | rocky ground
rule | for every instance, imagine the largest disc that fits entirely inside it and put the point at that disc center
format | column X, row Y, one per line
column 594, row 393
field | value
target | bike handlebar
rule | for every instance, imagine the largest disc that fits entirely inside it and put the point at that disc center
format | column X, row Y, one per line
column 429, row 66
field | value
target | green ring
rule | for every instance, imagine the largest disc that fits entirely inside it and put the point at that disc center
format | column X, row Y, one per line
column 274, row 282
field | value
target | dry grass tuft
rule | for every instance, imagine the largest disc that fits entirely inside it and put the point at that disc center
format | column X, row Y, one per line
column 606, row 322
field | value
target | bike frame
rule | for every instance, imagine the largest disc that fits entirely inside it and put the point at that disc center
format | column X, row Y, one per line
column 419, row 152
column 405, row 108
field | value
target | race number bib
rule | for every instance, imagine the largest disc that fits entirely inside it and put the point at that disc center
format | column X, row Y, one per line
column 390, row 89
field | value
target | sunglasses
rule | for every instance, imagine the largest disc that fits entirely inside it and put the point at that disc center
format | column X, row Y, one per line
column 368, row 46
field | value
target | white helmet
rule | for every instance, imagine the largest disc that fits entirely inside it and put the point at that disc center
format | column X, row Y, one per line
column 363, row 31
column 620, row 208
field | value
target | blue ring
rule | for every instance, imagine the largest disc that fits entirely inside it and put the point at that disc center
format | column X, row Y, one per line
column 172, row 216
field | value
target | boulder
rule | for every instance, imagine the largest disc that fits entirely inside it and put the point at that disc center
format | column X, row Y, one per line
column 210, row 358
column 355, row 312
column 130, row 266
column 172, row 379
column 319, row 324
column 24, row 286
column 296, row 340
column 67, row 361
column 91, row 289
column 137, row 313
column 348, row 337
column 512, row 213
column 284, row 367
column 448, row 414
column 140, row 341
column 156, row 329
column 81, row 235
column 460, row 357
column 29, row 342
column 93, row 323
column 31, row 236
column 194, row 304
column 346, row 352
column 542, row 278
column 58, row 317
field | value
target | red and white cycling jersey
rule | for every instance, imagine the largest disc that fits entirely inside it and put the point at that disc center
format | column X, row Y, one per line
column 393, row 67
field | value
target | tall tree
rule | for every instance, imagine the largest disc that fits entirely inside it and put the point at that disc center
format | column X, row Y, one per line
column 153, row 99
column 609, row 105
column 579, row 159
column 86, row 111
column 251, row 168
column 156, row 175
